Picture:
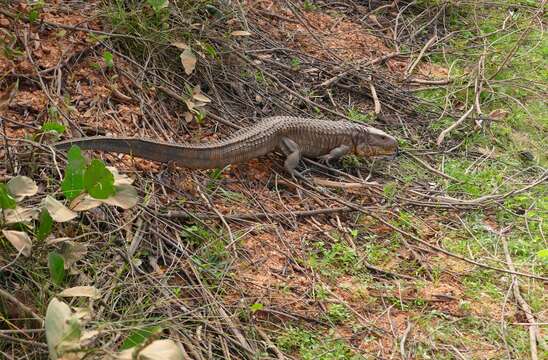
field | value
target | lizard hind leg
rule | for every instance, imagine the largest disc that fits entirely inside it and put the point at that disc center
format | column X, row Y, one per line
column 293, row 154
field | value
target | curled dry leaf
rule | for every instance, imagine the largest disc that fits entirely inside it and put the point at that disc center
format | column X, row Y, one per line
column 201, row 97
column 22, row 186
column 188, row 59
column 125, row 197
column 164, row 349
column 84, row 202
column 180, row 45
column 20, row 240
column 83, row 291
column 240, row 33
column 19, row 215
column 58, row 211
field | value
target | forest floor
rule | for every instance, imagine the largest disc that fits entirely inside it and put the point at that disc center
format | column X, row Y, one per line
column 438, row 254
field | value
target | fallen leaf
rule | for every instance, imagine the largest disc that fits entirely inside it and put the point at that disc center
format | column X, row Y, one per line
column 58, row 211
column 19, row 215
column 240, row 33
column 165, row 349
column 62, row 329
column 498, row 114
column 84, row 202
column 84, row 291
column 22, row 186
column 20, row 240
column 125, row 197
column 180, row 45
column 188, row 59
column 120, row 179
column 201, row 97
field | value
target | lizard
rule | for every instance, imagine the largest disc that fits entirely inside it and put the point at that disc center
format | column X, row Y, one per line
column 326, row 140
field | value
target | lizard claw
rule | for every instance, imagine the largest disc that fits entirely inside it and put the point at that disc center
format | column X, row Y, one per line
column 325, row 160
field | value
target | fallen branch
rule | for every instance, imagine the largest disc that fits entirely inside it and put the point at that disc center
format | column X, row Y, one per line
column 534, row 334
column 454, row 125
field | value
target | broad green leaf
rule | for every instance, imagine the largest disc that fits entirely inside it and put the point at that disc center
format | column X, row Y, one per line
column 6, row 200
column 56, row 265
column 53, row 126
column 138, row 336
column 98, row 181
column 73, row 183
column 20, row 240
column 45, row 225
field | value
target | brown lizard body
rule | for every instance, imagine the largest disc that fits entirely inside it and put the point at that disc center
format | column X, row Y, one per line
column 294, row 136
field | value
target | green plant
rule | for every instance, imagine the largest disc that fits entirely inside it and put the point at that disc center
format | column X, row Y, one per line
column 337, row 313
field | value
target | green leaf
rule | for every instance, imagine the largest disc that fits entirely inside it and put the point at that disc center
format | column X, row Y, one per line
column 158, row 5
column 6, row 200
column 139, row 336
column 73, row 183
column 53, row 126
column 56, row 265
column 256, row 307
column 98, row 180
column 109, row 58
column 33, row 16
column 543, row 254
column 46, row 224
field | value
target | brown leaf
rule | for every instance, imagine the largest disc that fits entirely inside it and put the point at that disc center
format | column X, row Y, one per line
column 188, row 59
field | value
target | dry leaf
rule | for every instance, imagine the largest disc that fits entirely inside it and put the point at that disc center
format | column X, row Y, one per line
column 84, row 202
column 9, row 95
column 84, row 291
column 22, row 186
column 58, row 211
column 201, row 97
column 165, row 349
column 498, row 114
column 188, row 116
column 188, row 59
column 125, row 197
column 19, row 215
column 240, row 33
column 120, row 179
column 20, row 240
column 180, row 45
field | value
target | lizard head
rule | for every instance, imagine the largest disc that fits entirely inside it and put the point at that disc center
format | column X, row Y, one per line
column 371, row 142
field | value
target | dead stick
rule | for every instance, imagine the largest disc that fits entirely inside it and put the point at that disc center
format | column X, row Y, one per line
column 454, row 125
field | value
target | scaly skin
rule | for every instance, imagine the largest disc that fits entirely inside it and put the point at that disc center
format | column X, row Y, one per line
column 294, row 136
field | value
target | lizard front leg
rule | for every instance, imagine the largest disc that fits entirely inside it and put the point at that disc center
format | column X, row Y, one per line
column 293, row 154
column 335, row 154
